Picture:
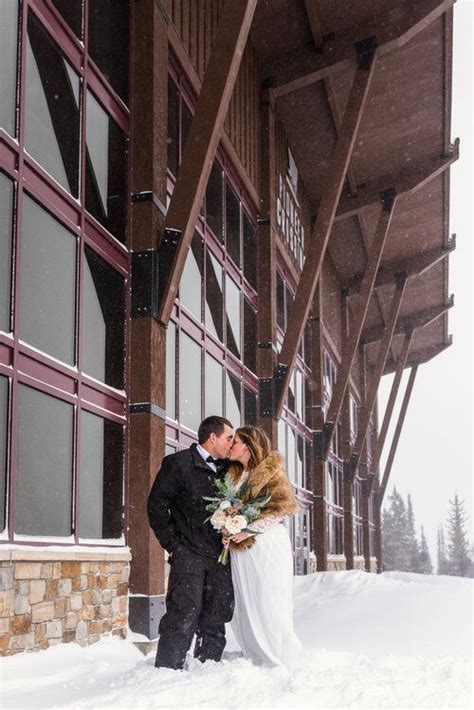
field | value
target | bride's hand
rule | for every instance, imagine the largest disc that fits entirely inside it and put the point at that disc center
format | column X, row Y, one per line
column 239, row 537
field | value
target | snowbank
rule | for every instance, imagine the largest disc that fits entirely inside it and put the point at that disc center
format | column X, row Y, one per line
column 395, row 640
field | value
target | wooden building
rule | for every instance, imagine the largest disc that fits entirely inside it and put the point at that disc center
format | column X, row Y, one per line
column 235, row 208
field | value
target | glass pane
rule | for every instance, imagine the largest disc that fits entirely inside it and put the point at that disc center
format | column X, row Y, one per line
column 171, row 371
column 186, row 120
column 106, row 165
column 250, row 408
column 250, row 252
column 52, row 108
column 108, row 42
column 6, row 227
column 213, row 388
column 71, row 10
column 173, row 127
column 100, row 479
column 215, row 202
column 232, row 399
column 190, row 288
column 44, row 465
column 250, row 336
column 289, row 303
column 232, row 223
column 8, row 63
column 233, row 317
column 299, row 460
column 3, row 449
column 189, row 382
column 282, row 439
column 103, row 333
column 48, row 284
column 299, row 394
column 214, row 297
column 280, row 302
column 291, row 399
column 291, row 449
column 307, row 344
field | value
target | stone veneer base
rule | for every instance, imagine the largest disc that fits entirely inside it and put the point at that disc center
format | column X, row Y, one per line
column 61, row 595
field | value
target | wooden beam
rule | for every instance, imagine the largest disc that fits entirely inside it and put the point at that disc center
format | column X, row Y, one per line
column 413, row 321
column 355, row 330
column 390, row 30
column 413, row 266
column 421, row 356
column 406, row 183
column 396, row 436
column 315, row 24
column 377, row 374
column 318, row 241
column 388, row 412
column 205, row 132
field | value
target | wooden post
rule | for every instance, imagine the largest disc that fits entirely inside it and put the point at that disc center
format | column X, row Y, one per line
column 319, row 239
column 204, row 135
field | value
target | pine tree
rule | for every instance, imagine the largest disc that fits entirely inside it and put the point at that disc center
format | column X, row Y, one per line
column 414, row 561
column 424, row 555
column 394, row 534
column 458, row 551
column 443, row 567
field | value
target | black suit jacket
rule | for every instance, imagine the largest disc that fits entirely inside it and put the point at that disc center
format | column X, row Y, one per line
column 176, row 508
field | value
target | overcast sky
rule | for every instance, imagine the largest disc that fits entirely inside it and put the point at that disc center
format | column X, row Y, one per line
column 434, row 456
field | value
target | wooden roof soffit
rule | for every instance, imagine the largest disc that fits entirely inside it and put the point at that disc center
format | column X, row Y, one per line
column 351, row 345
column 421, row 356
column 390, row 30
column 419, row 319
column 396, row 437
column 351, row 466
column 201, row 145
column 405, row 183
column 413, row 266
column 317, row 245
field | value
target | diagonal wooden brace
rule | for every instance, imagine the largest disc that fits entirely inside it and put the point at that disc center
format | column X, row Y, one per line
column 367, row 487
column 319, row 239
column 205, row 132
column 377, row 374
column 396, row 436
column 350, row 349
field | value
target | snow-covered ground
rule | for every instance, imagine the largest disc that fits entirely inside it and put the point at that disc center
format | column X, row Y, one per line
column 395, row 640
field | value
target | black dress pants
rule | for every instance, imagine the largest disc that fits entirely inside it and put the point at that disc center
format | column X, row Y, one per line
column 200, row 600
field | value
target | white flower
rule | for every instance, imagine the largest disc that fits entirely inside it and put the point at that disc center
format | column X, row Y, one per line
column 225, row 504
column 236, row 524
column 218, row 519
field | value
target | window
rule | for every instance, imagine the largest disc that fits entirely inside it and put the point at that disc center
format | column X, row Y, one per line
column 232, row 223
column 103, row 342
column 106, row 150
column 100, row 504
column 108, row 35
column 250, row 251
column 215, row 201
column 44, row 465
column 233, row 399
column 173, row 127
column 189, row 382
column 52, row 108
column 213, row 390
column 250, row 336
column 48, row 284
column 190, row 287
column 71, row 10
column 214, row 297
column 3, row 449
column 232, row 307
column 6, row 235
column 8, row 64
column 171, row 371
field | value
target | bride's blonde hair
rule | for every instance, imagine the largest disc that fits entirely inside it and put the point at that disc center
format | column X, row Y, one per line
column 257, row 443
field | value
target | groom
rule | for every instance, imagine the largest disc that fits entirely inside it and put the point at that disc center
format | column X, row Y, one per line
column 200, row 598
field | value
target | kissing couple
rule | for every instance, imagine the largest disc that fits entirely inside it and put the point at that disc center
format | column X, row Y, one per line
column 254, row 591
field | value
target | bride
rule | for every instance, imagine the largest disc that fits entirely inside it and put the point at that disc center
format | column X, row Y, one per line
column 262, row 564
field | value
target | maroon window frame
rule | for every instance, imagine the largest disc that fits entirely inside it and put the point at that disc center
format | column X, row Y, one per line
column 19, row 362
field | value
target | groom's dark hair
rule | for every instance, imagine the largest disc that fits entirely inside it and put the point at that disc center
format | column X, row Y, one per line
column 211, row 425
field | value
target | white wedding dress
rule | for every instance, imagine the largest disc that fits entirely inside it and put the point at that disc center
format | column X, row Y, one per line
column 263, row 586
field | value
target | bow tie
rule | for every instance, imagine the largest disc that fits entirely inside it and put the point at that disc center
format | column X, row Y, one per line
column 210, row 459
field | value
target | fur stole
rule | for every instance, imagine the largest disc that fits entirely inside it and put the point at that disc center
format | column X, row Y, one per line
column 269, row 477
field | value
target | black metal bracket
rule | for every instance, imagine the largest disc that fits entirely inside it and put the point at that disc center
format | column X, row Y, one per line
column 348, row 469
column 388, row 198
column 150, row 273
column 365, row 50
column 149, row 196
column 400, row 279
column 148, row 408
column 270, row 390
column 320, row 439
column 263, row 222
column 144, row 614
column 167, row 251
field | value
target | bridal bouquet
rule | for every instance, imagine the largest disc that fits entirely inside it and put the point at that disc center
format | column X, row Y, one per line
column 230, row 515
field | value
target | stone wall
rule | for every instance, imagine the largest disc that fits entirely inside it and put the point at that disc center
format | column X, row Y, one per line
column 48, row 598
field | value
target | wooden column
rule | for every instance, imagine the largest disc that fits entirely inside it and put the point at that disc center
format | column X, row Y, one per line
column 320, row 532
column 317, row 244
column 377, row 508
column 347, row 486
column 398, row 431
column 266, row 231
column 148, row 337
column 205, row 132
